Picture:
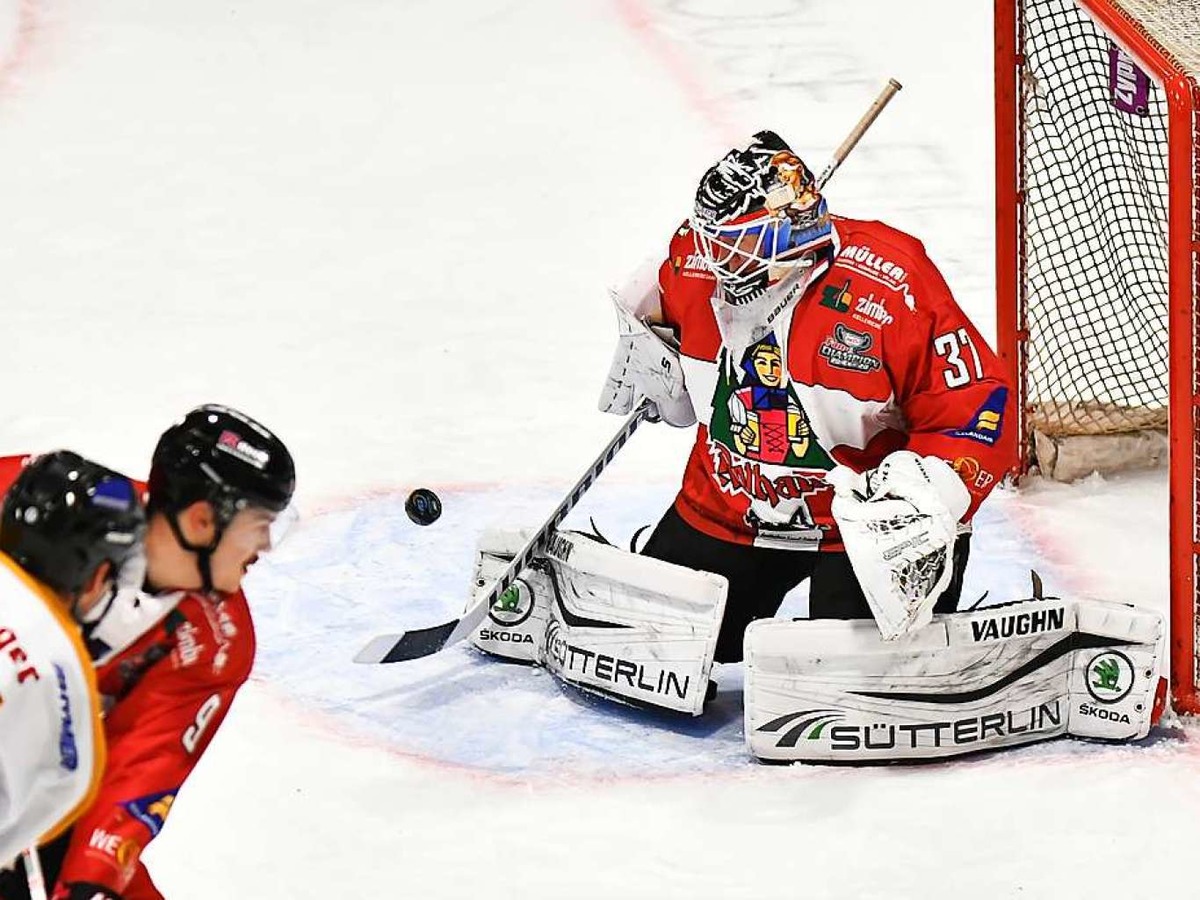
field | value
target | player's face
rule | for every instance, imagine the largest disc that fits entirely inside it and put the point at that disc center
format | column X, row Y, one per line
column 246, row 537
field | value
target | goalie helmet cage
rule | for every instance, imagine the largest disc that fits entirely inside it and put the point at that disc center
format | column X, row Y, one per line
column 1096, row 243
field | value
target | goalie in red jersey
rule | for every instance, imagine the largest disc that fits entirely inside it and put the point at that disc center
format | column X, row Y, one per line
column 849, row 421
column 804, row 342
column 218, row 480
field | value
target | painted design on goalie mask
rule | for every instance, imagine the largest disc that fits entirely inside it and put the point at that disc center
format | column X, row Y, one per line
column 758, row 214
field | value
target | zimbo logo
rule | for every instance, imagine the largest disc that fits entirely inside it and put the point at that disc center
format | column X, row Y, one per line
column 1110, row 677
column 825, row 725
column 1017, row 624
column 872, row 309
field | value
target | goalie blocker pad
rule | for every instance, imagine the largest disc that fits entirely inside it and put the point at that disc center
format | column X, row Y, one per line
column 834, row 691
column 632, row 628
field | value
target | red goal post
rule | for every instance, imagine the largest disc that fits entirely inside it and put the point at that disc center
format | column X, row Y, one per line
column 1097, row 239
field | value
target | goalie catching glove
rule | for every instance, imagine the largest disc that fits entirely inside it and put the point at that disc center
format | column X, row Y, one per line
column 646, row 359
column 899, row 523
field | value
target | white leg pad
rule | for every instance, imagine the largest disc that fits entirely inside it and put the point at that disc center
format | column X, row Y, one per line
column 629, row 627
column 1112, row 687
column 516, row 624
column 636, row 629
column 834, row 691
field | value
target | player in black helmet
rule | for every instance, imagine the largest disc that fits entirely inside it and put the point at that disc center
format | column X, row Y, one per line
column 218, row 479
column 68, row 528
column 73, row 525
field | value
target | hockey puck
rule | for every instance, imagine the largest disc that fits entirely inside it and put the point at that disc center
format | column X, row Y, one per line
column 423, row 506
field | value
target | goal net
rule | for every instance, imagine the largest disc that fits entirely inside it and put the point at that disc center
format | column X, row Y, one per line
column 1096, row 233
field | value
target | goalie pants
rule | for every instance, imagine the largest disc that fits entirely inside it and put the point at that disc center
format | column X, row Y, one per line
column 760, row 577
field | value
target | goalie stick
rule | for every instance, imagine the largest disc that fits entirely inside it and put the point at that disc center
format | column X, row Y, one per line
column 405, row 645
column 856, row 133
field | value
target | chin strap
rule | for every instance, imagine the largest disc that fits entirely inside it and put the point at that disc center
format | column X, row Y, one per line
column 91, row 620
column 203, row 554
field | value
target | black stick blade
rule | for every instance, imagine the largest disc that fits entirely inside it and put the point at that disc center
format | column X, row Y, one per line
column 390, row 648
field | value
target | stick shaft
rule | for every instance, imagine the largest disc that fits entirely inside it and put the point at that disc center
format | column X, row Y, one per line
column 536, row 543
column 856, row 133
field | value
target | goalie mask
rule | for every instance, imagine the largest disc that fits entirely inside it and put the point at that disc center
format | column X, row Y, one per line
column 759, row 214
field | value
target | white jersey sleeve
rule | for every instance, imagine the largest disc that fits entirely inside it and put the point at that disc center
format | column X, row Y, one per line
column 51, row 736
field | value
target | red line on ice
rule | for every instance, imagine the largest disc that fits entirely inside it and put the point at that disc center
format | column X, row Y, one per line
column 22, row 47
column 637, row 18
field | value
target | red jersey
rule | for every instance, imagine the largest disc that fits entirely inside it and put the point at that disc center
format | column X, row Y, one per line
column 165, row 696
column 879, row 357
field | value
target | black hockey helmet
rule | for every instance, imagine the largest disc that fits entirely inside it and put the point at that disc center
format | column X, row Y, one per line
column 758, row 209
column 222, row 456
column 64, row 515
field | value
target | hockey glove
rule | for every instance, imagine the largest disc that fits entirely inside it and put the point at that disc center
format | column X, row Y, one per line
column 646, row 359
column 899, row 523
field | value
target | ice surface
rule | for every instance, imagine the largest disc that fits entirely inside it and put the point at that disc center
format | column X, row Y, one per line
column 386, row 230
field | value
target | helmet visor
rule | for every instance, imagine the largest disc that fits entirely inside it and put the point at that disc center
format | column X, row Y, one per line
column 744, row 249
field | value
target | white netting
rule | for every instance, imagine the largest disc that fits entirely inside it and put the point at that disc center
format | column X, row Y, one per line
column 1094, row 177
column 1106, row 154
column 1174, row 24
